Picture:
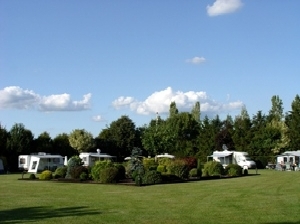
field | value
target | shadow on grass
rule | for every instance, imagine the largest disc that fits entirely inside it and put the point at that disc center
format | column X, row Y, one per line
column 32, row 214
column 282, row 222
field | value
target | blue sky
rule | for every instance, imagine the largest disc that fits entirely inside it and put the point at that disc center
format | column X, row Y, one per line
column 68, row 65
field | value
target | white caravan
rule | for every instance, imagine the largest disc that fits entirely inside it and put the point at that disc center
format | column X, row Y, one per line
column 89, row 158
column 233, row 157
column 38, row 162
column 289, row 158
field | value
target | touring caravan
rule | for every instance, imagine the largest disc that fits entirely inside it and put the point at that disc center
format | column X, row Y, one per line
column 89, row 158
column 289, row 159
column 233, row 157
column 38, row 162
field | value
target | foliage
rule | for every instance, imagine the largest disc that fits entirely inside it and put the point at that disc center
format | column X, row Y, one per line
column 46, row 175
column 149, row 163
column 151, row 177
column 98, row 166
column 191, row 162
column 32, row 176
column 73, row 162
column 122, row 134
column 213, row 168
column 233, row 170
column 161, row 169
column 81, row 140
column 62, row 145
column 61, row 172
column 178, row 168
column 109, row 175
column 121, row 171
column 79, row 172
column 194, row 173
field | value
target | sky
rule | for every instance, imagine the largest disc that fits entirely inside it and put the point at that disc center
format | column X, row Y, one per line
column 67, row 65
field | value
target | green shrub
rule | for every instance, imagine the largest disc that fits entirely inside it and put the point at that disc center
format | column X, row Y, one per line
column 73, row 162
column 151, row 177
column 98, row 166
column 32, row 176
column 233, row 170
column 149, row 162
column 108, row 175
column 164, row 161
column 46, row 175
column 76, row 172
column 194, row 173
column 83, row 176
column 121, row 171
column 161, row 168
column 213, row 168
column 60, row 172
column 179, row 168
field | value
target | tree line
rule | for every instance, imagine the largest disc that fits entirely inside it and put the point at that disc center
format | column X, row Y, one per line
column 182, row 134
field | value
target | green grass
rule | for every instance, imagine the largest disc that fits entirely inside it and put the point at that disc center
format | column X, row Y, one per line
column 270, row 197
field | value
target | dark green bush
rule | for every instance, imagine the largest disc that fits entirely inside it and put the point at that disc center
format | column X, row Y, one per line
column 73, row 162
column 161, row 168
column 60, row 172
column 46, row 175
column 76, row 172
column 32, row 176
column 178, row 168
column 98, row 167
column 108, row 175
column 233, row 170
column 121, row 171
column 151, row 177
column 194, row 173
column 213, row 168
column 149, row 162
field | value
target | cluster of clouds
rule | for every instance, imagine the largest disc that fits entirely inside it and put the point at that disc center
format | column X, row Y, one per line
column 159, row 102
column 220, row 7
column 14, row 97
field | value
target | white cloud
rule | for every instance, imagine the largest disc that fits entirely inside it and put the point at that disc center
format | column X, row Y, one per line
column 220, row 7
column 196, row 60
column 97, row 118
column 160, row 102
column 14, row 97
column 63, row 102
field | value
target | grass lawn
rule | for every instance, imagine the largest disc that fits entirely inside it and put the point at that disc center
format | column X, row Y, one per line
column 270, row 197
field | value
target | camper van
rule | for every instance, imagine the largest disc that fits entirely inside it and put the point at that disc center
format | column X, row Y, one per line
column 37, row 162
column 233, row 157
column 89, row 158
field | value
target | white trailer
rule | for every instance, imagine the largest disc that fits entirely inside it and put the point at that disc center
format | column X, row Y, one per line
column 89, row 158
column 233, row 157
column 289, row 159
column 38, row 162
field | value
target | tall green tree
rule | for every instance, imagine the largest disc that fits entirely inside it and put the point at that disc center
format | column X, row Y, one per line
column 242, row 134
column 196, row 112
column 122, row 133
column 277, row 124
column 293, row 123
column 81, row 140
column 173, row 109
column 20, row 141
column 62, row 146
column 3, row 140
column 185, row 129
column 44, row 143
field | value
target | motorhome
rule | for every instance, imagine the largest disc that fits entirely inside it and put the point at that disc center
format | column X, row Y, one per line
column 233, row 157
column 37, row 162
column 89, row 158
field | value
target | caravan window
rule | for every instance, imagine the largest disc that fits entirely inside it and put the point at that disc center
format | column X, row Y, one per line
column 22, row 161
column 56, row 160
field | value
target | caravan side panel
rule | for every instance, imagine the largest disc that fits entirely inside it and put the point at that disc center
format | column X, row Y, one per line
column 23, row 162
